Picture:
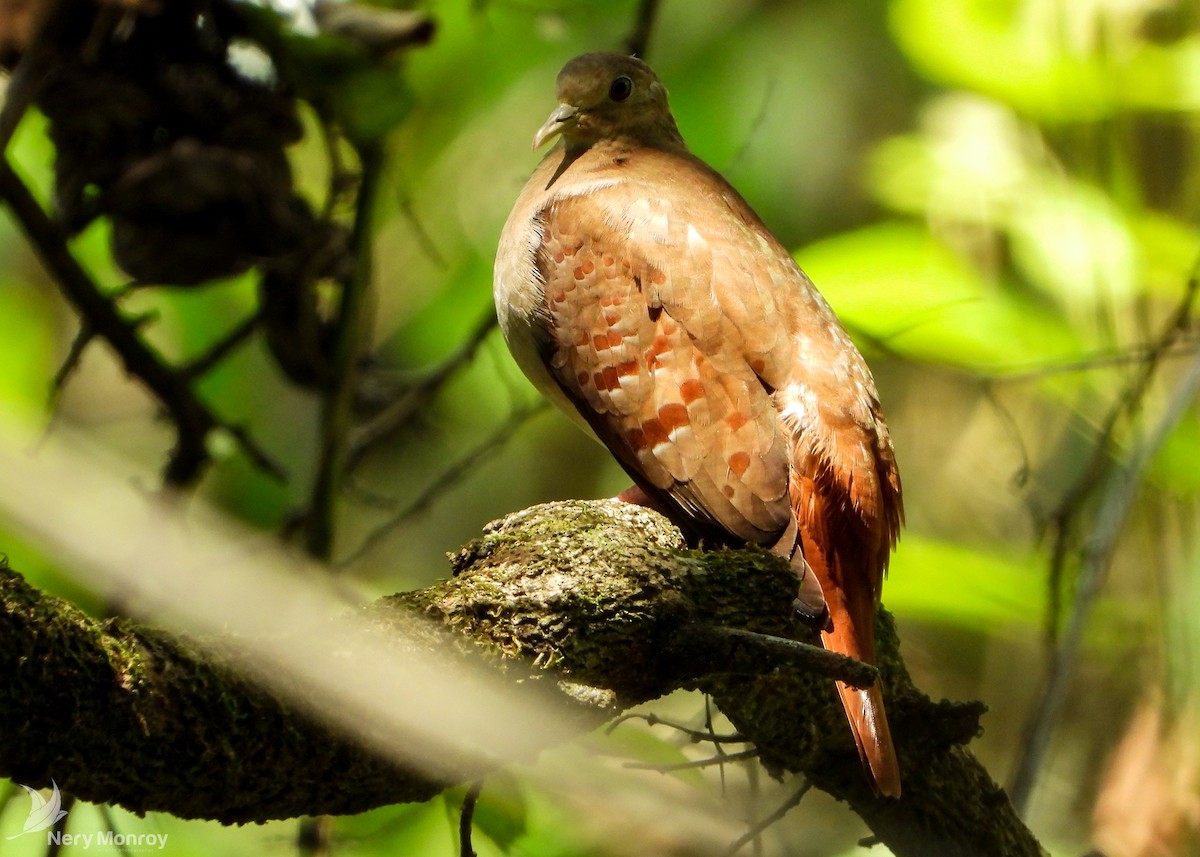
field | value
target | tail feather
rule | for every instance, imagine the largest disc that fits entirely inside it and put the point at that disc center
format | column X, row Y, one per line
column 851, row 614
column 868, row 722
column 848, row 560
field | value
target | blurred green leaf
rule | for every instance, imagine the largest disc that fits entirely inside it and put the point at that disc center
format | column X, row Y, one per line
column 1168, row 252
column 373, row 101
column 972, row 162
column 1013, row 50
column 963, row 585
column 1074, row 242
column 418, row 829
column 26, row 325
column 501, row 813
column 1174, row 468
column 899, row 284
column 1164, row 77
column 367, row 94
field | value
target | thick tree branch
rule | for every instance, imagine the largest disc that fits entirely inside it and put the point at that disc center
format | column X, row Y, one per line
column 599, row 601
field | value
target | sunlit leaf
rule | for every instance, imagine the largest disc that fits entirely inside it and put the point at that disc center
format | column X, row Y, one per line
column 26, row 324
column 897, row 283
column 1168, row 252
column 971, row 162
column 1072, row 240
column 964, row 585
column 1164, row 77
column 1015, row 51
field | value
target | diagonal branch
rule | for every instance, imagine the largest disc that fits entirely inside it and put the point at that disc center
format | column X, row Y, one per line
column 192, row 419
column 415, row 395
column 457, row 471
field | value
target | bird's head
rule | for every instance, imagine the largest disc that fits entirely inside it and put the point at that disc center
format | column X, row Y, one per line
column 609, row 96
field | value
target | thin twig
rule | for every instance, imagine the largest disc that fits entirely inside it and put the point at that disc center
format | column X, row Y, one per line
column 424, row 239
column 696, row 736
column 221, row 349
column 1066, row 516
column 638, row 42
column 754, row 796
column 1101, row 462
column 254, row 453
column 697, row 763
column 1013, row 430
column 466, row 819
column 192, row 419
column 1095, row 556
column 757, row 829
column 717, row 748
column 1184, row 344
column 110, row 824
column 71, row 362
column 314, row 836
column 735, row 651
column 458, row 471
column 54, row 844
column 349, row 335
column 1095, row 561
column 416, row 394
column 764, row 109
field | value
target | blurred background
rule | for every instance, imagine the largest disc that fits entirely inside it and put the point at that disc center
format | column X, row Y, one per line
column 1000, row 200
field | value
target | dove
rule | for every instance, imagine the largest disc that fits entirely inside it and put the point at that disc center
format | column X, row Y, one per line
column 641, row 293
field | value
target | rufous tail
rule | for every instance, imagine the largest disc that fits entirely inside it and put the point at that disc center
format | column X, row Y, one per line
column 845, row 577
column 868, row 722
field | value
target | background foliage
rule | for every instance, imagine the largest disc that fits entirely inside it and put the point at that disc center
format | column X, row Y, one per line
column 1000, row 199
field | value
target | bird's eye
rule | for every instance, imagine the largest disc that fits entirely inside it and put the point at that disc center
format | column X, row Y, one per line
column 621, row 88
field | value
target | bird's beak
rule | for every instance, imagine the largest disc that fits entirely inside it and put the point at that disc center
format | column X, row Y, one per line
column 562, row 116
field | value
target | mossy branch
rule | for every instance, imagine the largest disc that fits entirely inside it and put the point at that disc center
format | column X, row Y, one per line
column 601, row 597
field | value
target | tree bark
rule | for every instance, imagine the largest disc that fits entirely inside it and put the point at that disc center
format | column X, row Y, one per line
column 601, row 601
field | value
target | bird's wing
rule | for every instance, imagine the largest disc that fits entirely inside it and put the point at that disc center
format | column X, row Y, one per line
column 634, row 336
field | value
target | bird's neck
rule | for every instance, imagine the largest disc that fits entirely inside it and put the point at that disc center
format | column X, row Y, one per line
column 662, row 135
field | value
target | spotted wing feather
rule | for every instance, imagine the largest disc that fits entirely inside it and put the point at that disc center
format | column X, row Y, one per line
column 685, row 417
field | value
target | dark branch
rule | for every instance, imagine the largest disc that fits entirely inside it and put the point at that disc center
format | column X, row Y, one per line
column 350, row 341
column 758, row 828
column 466, row 819
column 736, row 652
column 638, row 42
column 192, row 419
column 221, row 349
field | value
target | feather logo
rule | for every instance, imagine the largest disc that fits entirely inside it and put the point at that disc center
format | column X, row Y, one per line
column 43, row 813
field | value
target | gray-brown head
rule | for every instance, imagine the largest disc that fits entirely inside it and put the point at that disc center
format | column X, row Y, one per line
column 609, row 96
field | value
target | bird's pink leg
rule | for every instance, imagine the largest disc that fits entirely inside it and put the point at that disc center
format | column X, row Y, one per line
column 635, row 495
